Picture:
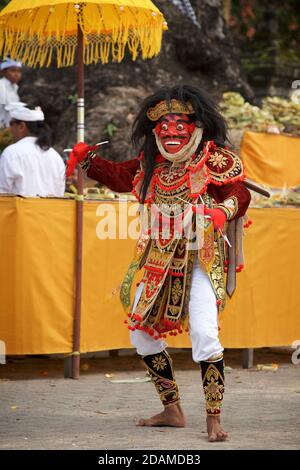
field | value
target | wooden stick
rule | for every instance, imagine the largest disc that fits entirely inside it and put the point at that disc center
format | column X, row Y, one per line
column 79, row 211
column 256, row 188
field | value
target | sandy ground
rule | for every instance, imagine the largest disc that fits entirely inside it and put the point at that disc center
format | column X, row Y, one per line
column 42, row 410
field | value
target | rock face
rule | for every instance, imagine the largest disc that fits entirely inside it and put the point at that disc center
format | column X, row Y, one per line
column 201, row 56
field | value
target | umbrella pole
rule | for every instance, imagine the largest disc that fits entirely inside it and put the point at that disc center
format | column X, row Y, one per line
column 74, row 367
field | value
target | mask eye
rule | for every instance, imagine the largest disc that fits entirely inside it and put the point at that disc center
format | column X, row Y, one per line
column 180, row 127
column 164, row 127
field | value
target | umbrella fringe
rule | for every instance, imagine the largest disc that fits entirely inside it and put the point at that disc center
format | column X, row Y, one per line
column 34, row 47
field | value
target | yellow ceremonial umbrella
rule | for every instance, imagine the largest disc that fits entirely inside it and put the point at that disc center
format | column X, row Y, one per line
column 39, row 32
column 32, row 30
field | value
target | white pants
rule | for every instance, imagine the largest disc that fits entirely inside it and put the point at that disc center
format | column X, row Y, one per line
column 203, row 321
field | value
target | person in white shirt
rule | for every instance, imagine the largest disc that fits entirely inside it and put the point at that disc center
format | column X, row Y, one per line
column 12, row 75
column 31, row 167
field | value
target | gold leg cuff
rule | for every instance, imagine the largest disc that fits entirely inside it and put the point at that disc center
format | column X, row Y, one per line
column 160, row 369
column 213, row 385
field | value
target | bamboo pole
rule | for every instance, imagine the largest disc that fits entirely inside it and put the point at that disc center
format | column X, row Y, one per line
column 72, row 363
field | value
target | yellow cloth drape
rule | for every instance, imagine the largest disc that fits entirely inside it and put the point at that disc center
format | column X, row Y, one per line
column 37, row 280
column 272, row 160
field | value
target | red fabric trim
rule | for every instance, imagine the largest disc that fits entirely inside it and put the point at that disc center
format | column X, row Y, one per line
column 201, row 162
column 174, row 186
column 233, row 179
column 174, row 273
column 153, row 269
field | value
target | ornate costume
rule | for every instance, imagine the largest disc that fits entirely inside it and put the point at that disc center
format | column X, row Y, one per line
column 190, row 184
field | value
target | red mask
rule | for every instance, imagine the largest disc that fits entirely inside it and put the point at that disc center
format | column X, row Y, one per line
column 174, row 131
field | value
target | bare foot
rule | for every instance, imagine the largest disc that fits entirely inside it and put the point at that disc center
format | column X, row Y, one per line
column 171, row 416
column 214, row 429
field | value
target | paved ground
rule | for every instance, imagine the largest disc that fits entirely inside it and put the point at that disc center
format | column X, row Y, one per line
column 41, row 410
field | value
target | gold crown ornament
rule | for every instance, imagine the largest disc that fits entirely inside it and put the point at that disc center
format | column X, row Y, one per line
column 169, row 107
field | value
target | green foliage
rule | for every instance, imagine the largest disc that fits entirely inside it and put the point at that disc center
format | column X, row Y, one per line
column 110, row 129
column 73, row 98
column 266, row 29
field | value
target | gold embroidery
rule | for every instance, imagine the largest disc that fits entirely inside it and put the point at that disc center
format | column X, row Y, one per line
column 86, row 163
column 206, row 254
column 230, row 206
column 176, row 291
column 159, row 363
column 166, row 107
column 213, row 385
column 216, row 274
column 160, row 369
column 188, row 283
column 163, row 304
column 218, row 159
column 127, row 283
column 230, row 167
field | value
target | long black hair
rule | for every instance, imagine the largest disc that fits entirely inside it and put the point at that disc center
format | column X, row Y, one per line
column 42, row 131
column 206, row 111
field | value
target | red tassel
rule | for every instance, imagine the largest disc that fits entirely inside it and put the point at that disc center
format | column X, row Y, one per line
column 248, row 223
column 239, row 268
column 137, row 317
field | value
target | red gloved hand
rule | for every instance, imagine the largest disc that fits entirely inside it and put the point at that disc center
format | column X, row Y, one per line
column 78, row 154
column 218, row 217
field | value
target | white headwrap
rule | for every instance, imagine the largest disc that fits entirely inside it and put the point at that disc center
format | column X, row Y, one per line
column 7, row 63
column 19, row 111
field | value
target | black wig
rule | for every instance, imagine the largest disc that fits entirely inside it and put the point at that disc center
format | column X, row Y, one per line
column 206, row 111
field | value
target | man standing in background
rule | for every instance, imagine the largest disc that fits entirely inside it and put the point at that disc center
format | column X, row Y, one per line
column 12, row 75
column 31, row 166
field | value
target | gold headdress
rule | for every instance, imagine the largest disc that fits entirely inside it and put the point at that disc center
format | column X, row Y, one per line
column 167, row 107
